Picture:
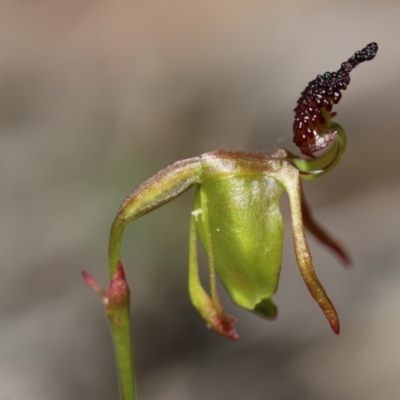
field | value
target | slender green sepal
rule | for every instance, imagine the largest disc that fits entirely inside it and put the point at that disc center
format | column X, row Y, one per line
column 210, row 309
column 290, row 179
column 161, row 188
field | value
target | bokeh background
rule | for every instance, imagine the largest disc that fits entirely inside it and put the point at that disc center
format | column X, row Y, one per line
column 95, row 97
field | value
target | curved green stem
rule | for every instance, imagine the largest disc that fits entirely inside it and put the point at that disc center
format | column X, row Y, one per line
column 156, row 191
column 116, row 302
column 316, row 167
column 119, row 319
column 115, row 243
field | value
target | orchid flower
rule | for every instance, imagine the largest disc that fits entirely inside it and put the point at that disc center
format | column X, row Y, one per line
column 237, row 216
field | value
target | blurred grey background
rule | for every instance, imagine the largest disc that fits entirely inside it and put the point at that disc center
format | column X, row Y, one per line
column 95, row 97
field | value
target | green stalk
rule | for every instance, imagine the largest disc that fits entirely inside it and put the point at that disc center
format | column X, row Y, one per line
column 116, row 301
column 118, row 315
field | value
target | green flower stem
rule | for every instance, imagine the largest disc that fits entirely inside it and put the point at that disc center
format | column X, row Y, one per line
column 161, row 188
column 121, row 335
column 118, row 315
column 119, row 320
column 116, row 302
column 158, row 190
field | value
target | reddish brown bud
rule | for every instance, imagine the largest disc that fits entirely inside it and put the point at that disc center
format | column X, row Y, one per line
column 118, row 291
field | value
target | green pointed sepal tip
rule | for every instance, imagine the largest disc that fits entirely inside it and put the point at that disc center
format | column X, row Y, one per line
column 266, row 309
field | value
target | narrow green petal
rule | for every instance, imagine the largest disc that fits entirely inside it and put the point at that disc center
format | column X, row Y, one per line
column 291, row 181
column 209, row 309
